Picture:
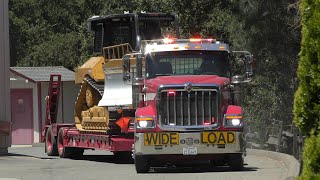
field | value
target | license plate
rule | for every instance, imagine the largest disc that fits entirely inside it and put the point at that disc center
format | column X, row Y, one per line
column 218, row 137
column 190, row 151
column 154, row 139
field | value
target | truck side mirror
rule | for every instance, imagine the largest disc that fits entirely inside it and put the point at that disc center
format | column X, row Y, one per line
column 237, row 79
column 250, row 62
column 126, row 68
column 243, row 61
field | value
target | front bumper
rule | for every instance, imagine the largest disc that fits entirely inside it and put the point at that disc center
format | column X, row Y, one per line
column 191, row 140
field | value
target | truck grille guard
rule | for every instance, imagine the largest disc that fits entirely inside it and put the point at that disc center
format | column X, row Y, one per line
column 188, row 107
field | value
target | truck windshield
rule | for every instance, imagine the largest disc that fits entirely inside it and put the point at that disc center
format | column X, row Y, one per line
column 187, row 63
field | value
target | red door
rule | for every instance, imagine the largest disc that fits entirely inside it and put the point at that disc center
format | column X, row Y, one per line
column 21, row 116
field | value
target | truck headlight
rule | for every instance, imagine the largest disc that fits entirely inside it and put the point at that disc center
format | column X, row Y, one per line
column 233, row 121
column 145, row 122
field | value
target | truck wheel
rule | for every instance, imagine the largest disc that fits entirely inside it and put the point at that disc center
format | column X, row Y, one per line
column 64, row 152
column 51, row 143
column 142, row 164
column 236, row 162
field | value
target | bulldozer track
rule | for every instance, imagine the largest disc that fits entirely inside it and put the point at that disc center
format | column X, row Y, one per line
column 87, row 82
column 97, row 86
column 81, row 104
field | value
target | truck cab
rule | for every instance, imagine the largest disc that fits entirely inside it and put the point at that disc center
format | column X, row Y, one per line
column 187, row 102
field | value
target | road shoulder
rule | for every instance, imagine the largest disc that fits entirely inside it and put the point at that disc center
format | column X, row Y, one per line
column 289, row 161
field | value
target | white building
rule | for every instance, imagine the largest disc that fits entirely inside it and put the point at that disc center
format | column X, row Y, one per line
column 29, row 88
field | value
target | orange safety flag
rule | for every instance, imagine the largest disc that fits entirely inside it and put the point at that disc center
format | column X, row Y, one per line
column 123, row 123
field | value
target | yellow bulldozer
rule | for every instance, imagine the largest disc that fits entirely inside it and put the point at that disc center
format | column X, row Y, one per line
column 104, row 97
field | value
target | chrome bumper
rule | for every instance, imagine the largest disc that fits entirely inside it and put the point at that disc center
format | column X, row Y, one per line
column 191, row 140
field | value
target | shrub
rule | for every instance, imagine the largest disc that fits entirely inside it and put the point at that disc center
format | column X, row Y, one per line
column 311, row 158
column 307, row 98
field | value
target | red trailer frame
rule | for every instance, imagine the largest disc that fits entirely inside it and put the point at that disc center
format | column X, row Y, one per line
column 63, row 138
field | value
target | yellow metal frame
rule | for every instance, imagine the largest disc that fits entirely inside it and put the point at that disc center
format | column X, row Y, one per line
column 92, row 68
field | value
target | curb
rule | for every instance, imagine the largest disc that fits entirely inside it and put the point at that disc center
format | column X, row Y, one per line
column 38, row 145
column 20, row 146
column 289, row 161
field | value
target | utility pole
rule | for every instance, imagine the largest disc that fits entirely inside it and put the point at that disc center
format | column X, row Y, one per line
column 5, row 115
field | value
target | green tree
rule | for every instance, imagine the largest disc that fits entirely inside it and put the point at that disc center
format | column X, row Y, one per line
column 267, row 32
column 39, row 29
column 307, row 97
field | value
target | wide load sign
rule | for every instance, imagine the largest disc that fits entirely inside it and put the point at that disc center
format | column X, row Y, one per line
column 173, row 138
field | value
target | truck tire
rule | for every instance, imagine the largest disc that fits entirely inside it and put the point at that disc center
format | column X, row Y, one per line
column 142, row 164
column 64, row 152
column 51, row 143
column 236, row 162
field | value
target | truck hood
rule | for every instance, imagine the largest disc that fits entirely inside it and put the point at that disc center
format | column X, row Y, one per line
column 153, row 84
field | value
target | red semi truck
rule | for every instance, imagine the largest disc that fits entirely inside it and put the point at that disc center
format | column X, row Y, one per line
column 169, row 99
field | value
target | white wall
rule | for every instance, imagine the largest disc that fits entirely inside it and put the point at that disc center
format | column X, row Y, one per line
column 69, row 94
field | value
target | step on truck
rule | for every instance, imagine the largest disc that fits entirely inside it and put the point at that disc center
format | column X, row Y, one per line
column 166, row 100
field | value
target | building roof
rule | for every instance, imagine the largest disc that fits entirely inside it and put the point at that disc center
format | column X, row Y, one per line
column 40, row 74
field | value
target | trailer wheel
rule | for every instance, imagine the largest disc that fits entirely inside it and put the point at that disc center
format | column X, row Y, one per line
column 142, row 164
column 236, row 162
column 51, row 143
column 64, row 152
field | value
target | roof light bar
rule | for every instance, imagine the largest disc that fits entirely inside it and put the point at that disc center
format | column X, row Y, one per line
column 168, row 41
column 195, row 40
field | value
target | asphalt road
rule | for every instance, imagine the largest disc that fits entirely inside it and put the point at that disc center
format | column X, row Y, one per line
column 32, row 163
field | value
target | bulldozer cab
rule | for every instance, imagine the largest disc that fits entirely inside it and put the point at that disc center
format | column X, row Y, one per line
column 131, row 28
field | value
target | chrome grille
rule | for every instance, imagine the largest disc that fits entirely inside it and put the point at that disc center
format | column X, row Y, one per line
column 182, row 108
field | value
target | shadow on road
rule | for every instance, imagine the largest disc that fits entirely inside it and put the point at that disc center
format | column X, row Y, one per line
column 26, row 155
column 97, row 158
column 189, row 167
column 105, row 158
column 198, row 169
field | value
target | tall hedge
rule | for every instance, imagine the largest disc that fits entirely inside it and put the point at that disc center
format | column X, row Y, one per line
column 311, row 158
column 307, row 97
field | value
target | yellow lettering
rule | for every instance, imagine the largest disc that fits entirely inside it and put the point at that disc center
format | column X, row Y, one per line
column 230, row 137
column 153, row 139
column 221, row 139
column 215, row 137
